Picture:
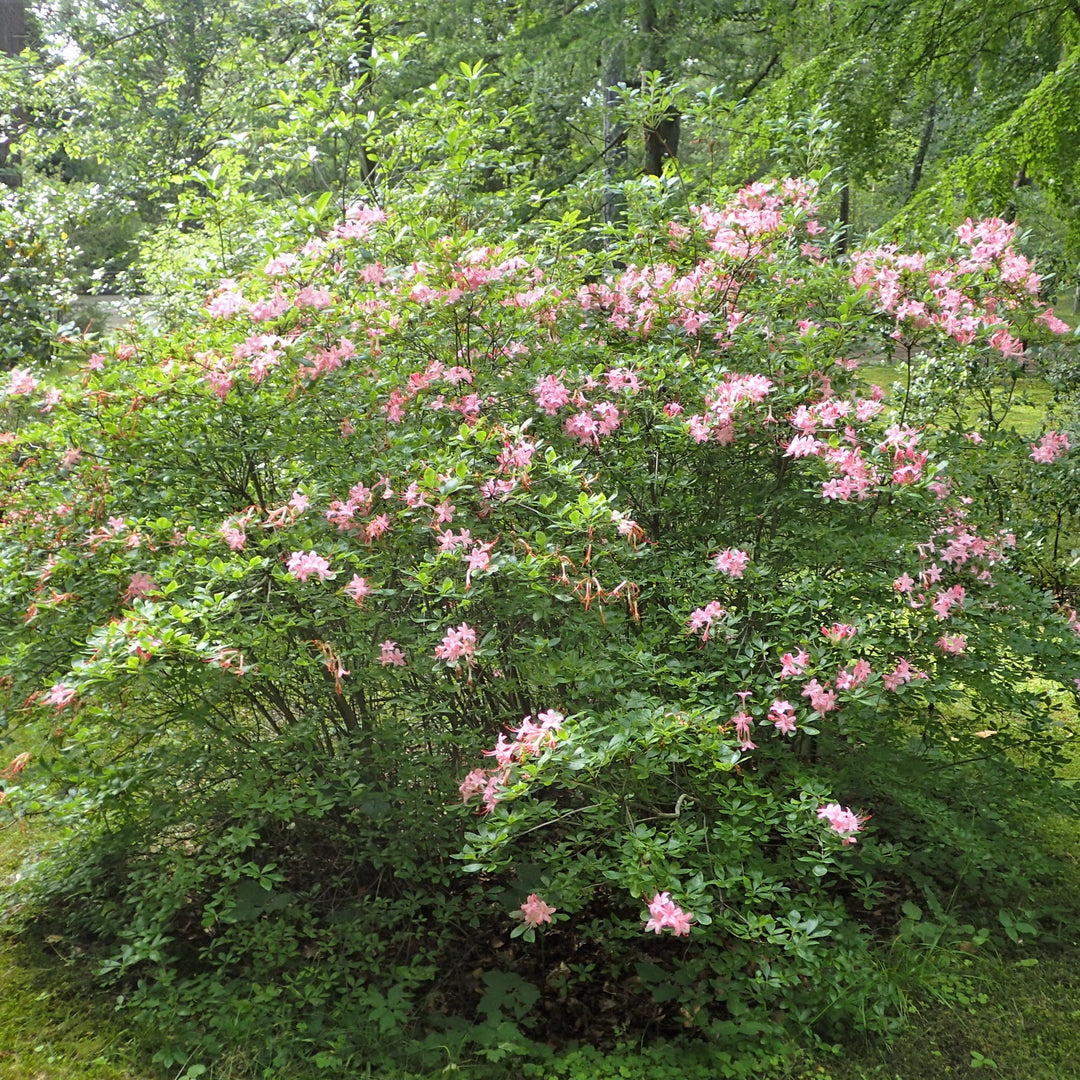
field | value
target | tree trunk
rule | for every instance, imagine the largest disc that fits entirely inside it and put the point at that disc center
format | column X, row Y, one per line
column 12, row 42
column 193, row 141
column 661, row 140
column 614, row 205
column 924, row 146
column 845, row 219
column 366, row 36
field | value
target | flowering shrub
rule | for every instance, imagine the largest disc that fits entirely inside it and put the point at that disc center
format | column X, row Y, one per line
column 971, row 347
column 726, row 629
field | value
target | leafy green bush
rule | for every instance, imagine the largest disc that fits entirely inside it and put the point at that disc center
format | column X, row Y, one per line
column 731, row 637
column 36, row 258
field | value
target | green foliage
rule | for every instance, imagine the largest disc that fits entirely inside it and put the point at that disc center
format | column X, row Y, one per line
column 663, row 1062
column 36, row 257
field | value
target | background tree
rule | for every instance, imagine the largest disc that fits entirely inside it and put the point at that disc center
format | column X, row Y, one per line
column 12, row 42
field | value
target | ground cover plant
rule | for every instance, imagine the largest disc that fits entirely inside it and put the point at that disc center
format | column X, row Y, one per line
column 461, row 641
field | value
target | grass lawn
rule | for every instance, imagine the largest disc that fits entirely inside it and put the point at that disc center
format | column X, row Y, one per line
column 1026, row 416
column 53, row 1024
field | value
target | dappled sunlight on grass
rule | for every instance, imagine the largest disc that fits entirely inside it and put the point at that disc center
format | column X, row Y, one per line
column 53, row 1025
column 1026, row 416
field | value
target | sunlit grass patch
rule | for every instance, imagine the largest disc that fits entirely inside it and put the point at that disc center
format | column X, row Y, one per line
column 53, row 1024
column 1026, row 414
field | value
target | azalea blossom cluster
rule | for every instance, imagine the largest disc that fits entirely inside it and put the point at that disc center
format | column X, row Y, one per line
column 947, row 297
column 717, row 423
column 534, row 911
column 645, row 300
column 343, row 514
column 842, row 820
column 953, row 549
column 858, row 466
column 758, row 212
column 733, row 562
column 457, row 643
column 590, row 420
column 823, row 698
column 1050, row 447
column 664, row 913
column 529, row 740
column 303, row 564
column 702, row 619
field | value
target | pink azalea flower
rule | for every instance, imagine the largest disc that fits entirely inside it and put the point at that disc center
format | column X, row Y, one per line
column 1052, row 322
column 478, row 559
column 822, row 699
column 782, row 714
column 732, row 561
column 664, row 912
column 582, row 427
column 234, row 536
column 743, row 722
column 532, row 738
column 952, row 644
column 803, row 446
column 458, row 642
column 622, row 378
column 839, row 632
column 699, row 428
column 848, row 680
column 280, row 264
column 1050, row 447
column 945, row 601
column 550, row 719
column 550, row 394
column 304, row 563
column 358, row 588
column 378, row 526
column 609, row 417
column 703, row 618
column 139, row 586
column 473, row 784
column 21, row 382
column 448, row 541
column 842, row 820
column 535, row 911
column 903, row 673
column 221, row 381
column 311, row 296
column 390, row 655
column 226, row 303
column 866, row 409
column 60, row 696
column 793, row 665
